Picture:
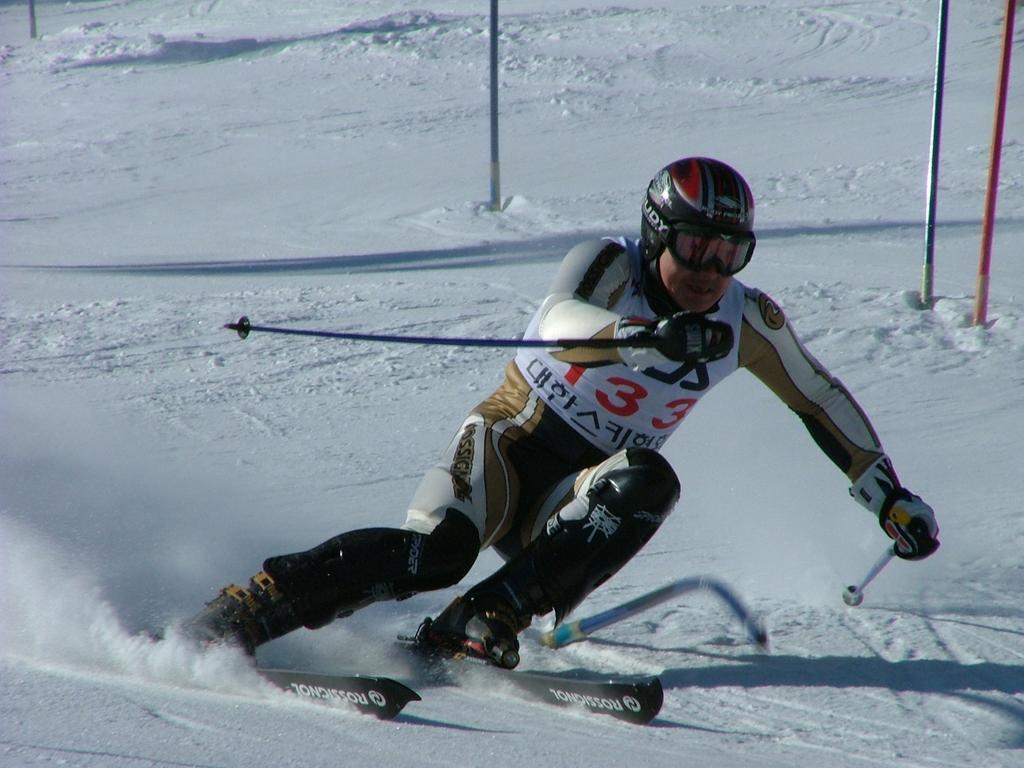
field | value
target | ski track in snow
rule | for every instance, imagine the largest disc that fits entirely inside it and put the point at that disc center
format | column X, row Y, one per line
column 169, row 167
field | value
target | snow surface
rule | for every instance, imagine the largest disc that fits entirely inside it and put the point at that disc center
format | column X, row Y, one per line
column 168, row 166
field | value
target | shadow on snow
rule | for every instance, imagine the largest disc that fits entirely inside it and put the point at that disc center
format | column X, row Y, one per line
column 548, row 248
column 912, row 675
column 200, row 51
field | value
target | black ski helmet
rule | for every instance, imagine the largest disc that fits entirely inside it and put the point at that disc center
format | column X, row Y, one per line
column 695, row 191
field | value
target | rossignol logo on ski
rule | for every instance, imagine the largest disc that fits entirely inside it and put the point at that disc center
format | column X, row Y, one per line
column 626, row 703
column 376, row 698
column 380, row 697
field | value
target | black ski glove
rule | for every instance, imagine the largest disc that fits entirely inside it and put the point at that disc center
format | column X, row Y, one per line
column 685, row 337
column 910, row 522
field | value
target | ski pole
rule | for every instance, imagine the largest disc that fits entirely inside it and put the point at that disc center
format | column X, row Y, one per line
column 244, row 327
column 581, row 628
column 853, row 595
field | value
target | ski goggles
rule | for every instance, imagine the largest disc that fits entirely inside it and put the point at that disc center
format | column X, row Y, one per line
column 697, row 248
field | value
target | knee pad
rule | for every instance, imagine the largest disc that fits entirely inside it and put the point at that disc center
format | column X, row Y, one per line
column 636, row 493
column 643, row 492
column 625, row 505
column 442, row 557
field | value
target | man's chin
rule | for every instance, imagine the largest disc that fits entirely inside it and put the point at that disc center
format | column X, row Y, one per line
column 697, row 301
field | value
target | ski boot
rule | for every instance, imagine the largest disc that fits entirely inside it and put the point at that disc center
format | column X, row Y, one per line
column 245, row 617
column 483, row 627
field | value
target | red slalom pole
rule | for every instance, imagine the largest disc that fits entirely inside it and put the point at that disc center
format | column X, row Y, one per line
column 988, row 223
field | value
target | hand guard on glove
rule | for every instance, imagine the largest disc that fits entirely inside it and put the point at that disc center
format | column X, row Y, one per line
column 910, row 522
column 904, row 517
column 683, row 338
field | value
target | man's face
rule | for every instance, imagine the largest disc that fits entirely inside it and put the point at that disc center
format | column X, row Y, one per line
column 691, row 290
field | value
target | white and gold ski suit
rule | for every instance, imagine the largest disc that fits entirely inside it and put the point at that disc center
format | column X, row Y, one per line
column 563, row 418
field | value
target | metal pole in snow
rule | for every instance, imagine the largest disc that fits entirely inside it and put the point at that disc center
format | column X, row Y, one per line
column 32, row 19
column 581, row 628
column 853, row 595
column 928, row 274
column 495, row 166
column 988, row 224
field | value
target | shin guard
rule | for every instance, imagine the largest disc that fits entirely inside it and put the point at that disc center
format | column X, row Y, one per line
column 360, row 567
column 590, row 539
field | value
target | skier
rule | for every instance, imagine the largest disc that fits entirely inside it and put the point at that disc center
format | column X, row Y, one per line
column 559, row 469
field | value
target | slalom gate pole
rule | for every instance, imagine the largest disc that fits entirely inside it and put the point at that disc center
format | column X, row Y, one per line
column 980, row 316
column 581, row 628
column 243, row 328
column 853, row 595
column 928, row 272
column 495, row 160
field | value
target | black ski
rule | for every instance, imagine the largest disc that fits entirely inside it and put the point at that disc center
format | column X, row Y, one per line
column 381, row 697
column 636, row 701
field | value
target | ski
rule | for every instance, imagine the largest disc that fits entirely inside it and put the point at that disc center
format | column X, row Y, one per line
column 636, row 701
column 381, row 697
